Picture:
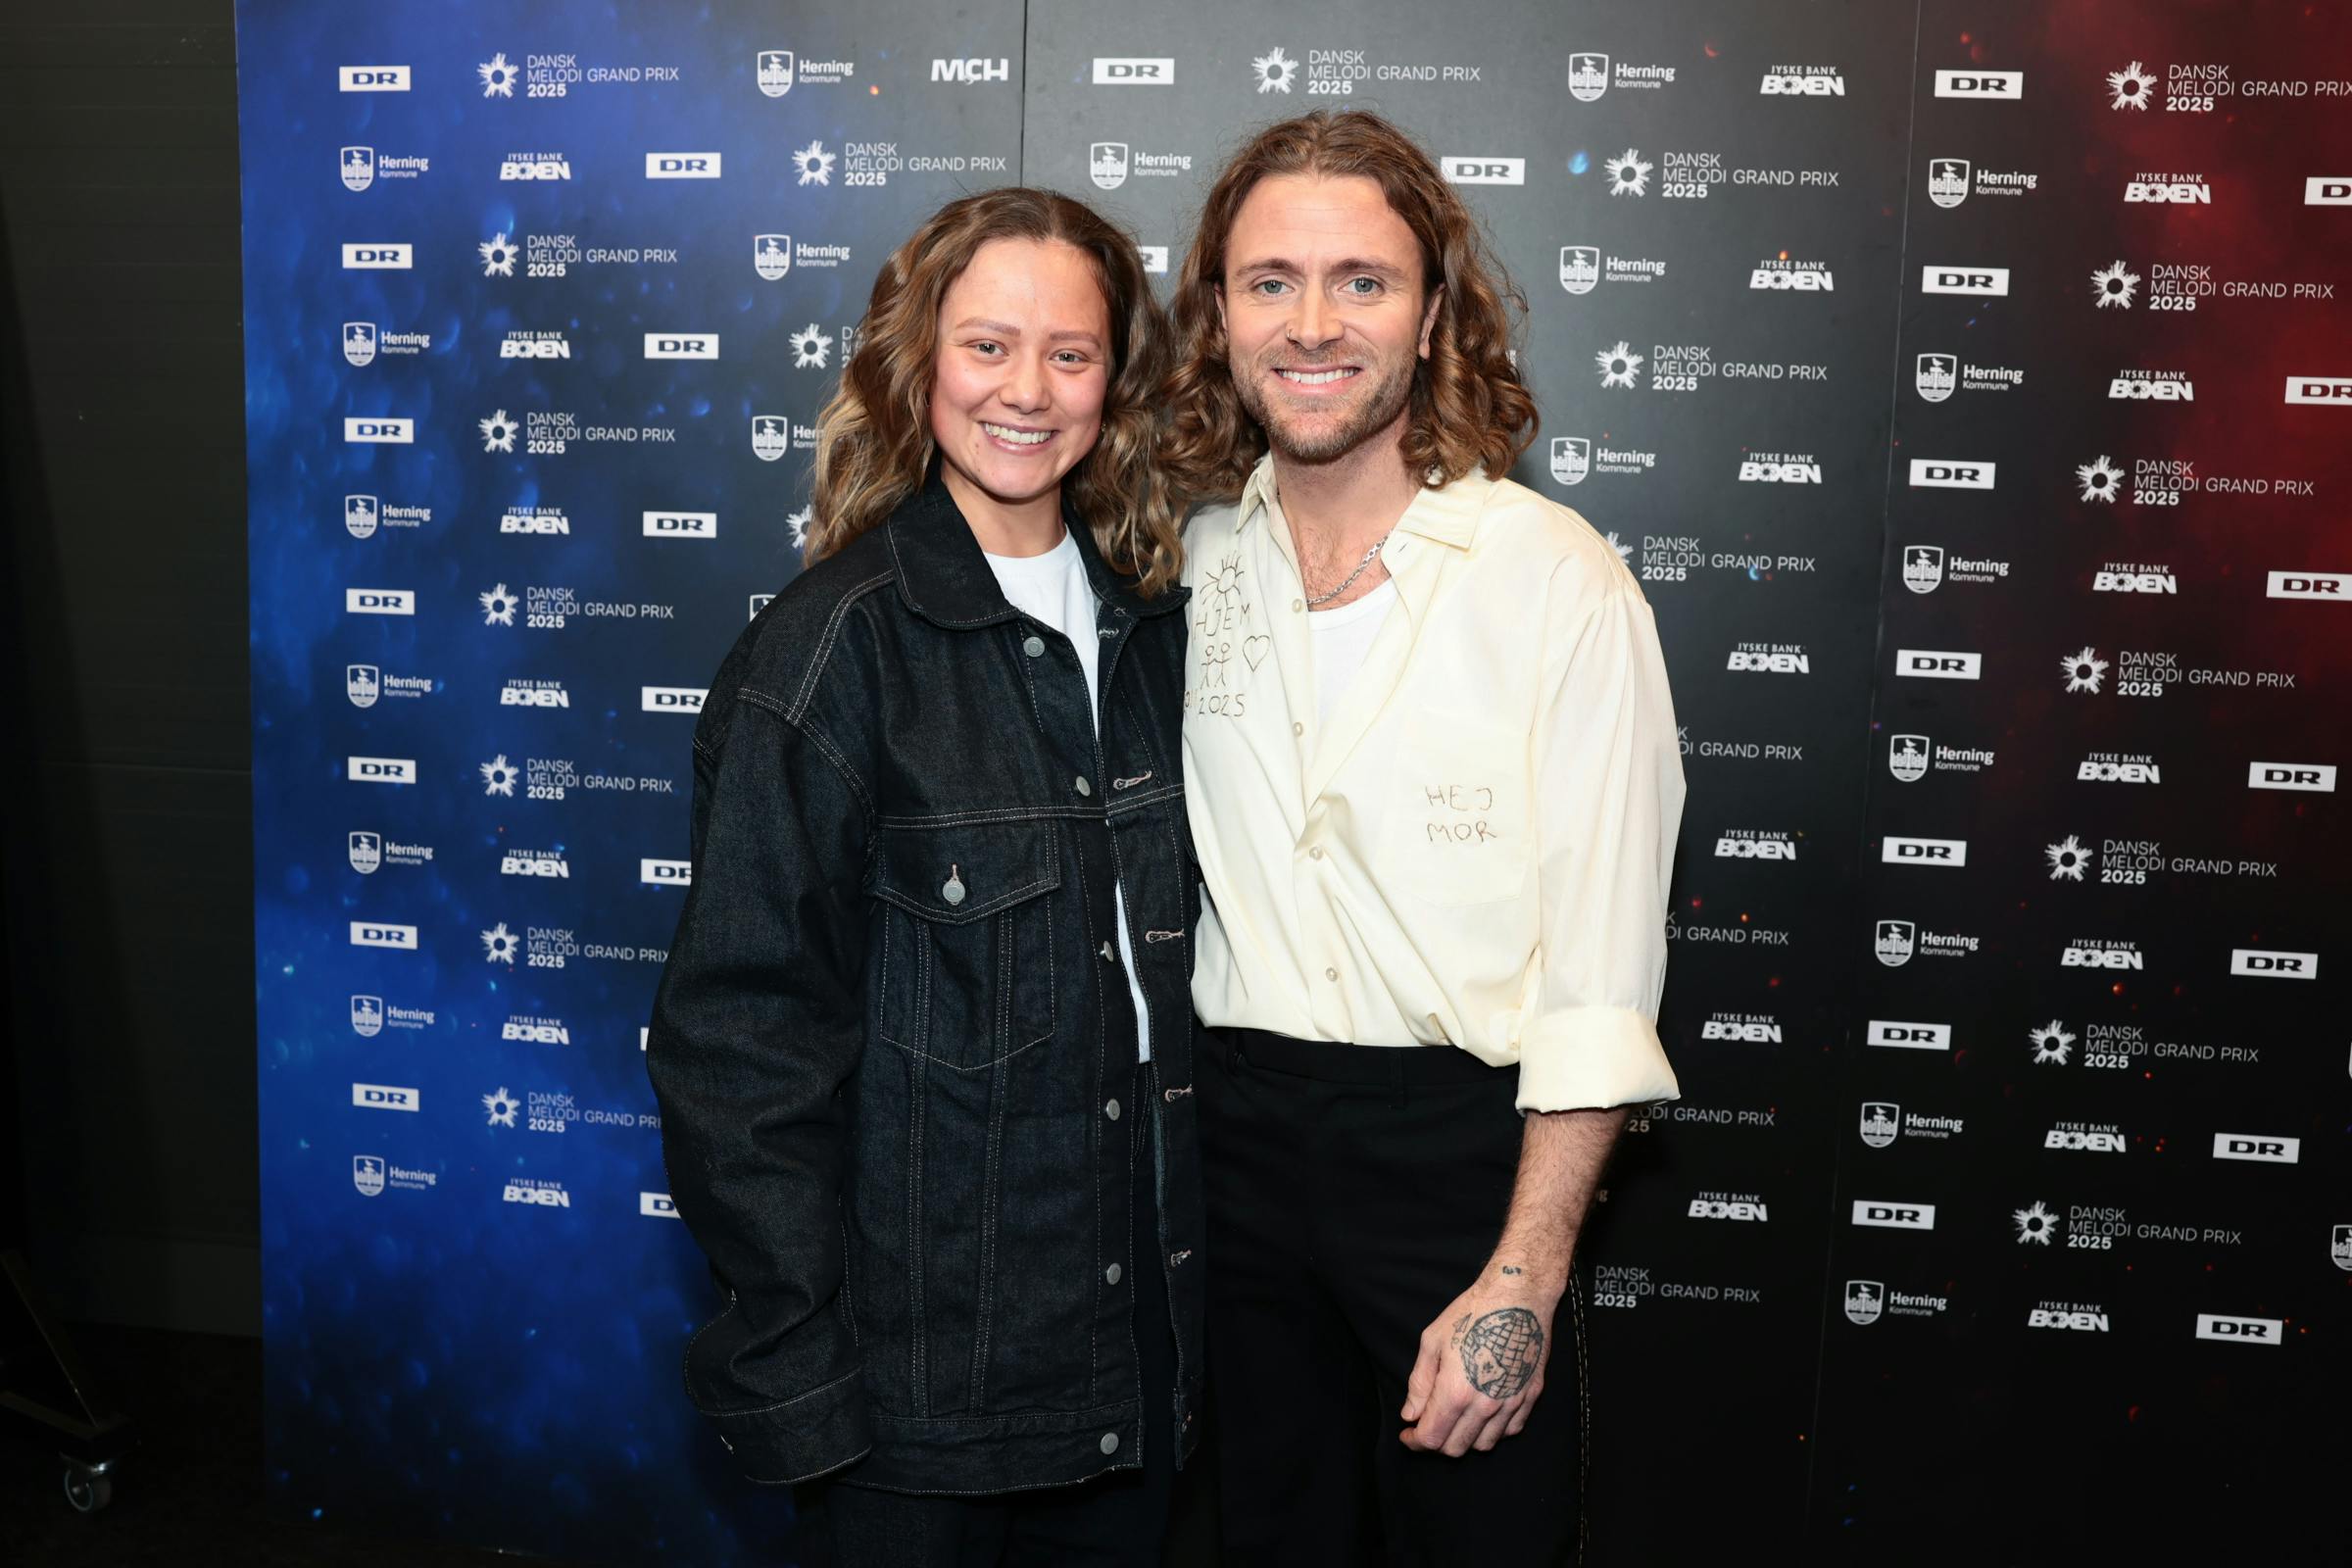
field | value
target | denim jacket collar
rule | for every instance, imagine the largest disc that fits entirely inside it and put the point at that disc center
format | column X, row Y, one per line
column 944, row 578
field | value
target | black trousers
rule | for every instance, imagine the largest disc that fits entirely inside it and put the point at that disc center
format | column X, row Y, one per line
column 1114, row 1521
column 1354, row 1191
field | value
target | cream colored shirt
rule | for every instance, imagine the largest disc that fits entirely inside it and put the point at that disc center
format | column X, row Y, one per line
column 1474, row 850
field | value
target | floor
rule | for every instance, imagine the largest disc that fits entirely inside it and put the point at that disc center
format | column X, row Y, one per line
column 190, row 1494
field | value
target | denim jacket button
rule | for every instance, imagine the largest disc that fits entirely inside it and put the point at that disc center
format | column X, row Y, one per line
column 1110, row 1275
column 1032, row 645
column 1111, row 1443
column 1111, row 1110
column 952, row 889
column 1082, row 786
column 1109, row 955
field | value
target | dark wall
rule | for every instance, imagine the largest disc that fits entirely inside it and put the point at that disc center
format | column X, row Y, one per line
column 127, row 817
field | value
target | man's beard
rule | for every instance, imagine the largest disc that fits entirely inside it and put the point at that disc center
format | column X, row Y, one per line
column 1372, row 414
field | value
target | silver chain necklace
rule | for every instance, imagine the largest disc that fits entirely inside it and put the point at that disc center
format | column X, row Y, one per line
column 1313, row 599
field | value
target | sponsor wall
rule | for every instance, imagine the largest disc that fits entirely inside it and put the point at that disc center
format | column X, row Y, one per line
column 1961, row 383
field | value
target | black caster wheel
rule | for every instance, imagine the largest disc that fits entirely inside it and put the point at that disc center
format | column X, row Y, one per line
column 88, row 1488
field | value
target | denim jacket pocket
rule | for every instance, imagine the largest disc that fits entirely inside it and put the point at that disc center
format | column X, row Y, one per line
column 966, row 960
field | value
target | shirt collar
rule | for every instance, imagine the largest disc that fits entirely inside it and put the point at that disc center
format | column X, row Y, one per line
column 944, row 578
column 1447, row 514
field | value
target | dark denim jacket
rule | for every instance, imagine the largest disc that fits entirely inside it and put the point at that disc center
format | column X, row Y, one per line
column 894, row 1048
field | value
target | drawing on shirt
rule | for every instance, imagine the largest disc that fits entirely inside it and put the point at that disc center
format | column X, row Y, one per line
column 1219, row 612
column 1459, row 814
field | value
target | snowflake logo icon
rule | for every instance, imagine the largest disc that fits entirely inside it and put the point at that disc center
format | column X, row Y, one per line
column 2132, row 86
column 502, row 1106
column 797, row 522
column 499, row 945
column 814, row 164
column 2067, row 859
column 2113, row 284
column 1619, row 364
column 1625, row 552
column 1275, row 71
column 2035, row 1224
column 810, row 346
column 498, row 606
column 1629, row 174
column 498, row 776
column 498, row 432
column 498, row 75
column 498, row 256
column 2084, row 670
column 2100, row 480
column 2052, row 1042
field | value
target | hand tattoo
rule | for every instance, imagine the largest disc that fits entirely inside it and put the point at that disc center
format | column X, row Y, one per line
column 1507, row 1269
column 1501, row 1351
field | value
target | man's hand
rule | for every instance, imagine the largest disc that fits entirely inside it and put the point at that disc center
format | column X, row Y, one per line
column 1481, row 1367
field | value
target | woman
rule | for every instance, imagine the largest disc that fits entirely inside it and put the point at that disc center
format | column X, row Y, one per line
column 923, row 1044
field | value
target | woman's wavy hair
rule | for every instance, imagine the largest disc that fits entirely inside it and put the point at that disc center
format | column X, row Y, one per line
column 1469, row 407
column 873, row 437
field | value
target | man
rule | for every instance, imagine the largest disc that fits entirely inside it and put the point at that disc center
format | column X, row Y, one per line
column 1433, row 778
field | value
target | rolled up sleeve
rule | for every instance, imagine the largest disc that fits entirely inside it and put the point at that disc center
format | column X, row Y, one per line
column 1609, row 792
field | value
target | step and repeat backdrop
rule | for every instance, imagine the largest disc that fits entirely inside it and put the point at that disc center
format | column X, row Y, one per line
column 1968, row 387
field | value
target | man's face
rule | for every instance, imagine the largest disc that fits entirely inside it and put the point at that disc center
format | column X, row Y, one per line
column 1324, row 313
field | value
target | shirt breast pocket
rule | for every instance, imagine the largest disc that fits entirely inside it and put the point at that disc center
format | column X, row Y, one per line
column 1459, row 820
column 966, row 968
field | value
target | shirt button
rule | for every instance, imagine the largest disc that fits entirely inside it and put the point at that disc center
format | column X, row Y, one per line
column 1315, row 854
column 1082, row 786
column 1111, row 1443
column 1111, row 1110
column 1032, row 645
column 1110, row 1275
column 1298, row 604
column 1331, row 974
column 1297, row 728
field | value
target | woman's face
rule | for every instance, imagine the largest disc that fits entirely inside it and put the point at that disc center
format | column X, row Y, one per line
column 1023, row 368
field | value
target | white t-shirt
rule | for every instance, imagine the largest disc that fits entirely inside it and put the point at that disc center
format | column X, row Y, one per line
column 1051, row 589
column 1341, row 638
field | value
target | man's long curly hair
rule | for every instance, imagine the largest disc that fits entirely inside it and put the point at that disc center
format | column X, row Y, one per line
column 873, row 437
column 1469, row 409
